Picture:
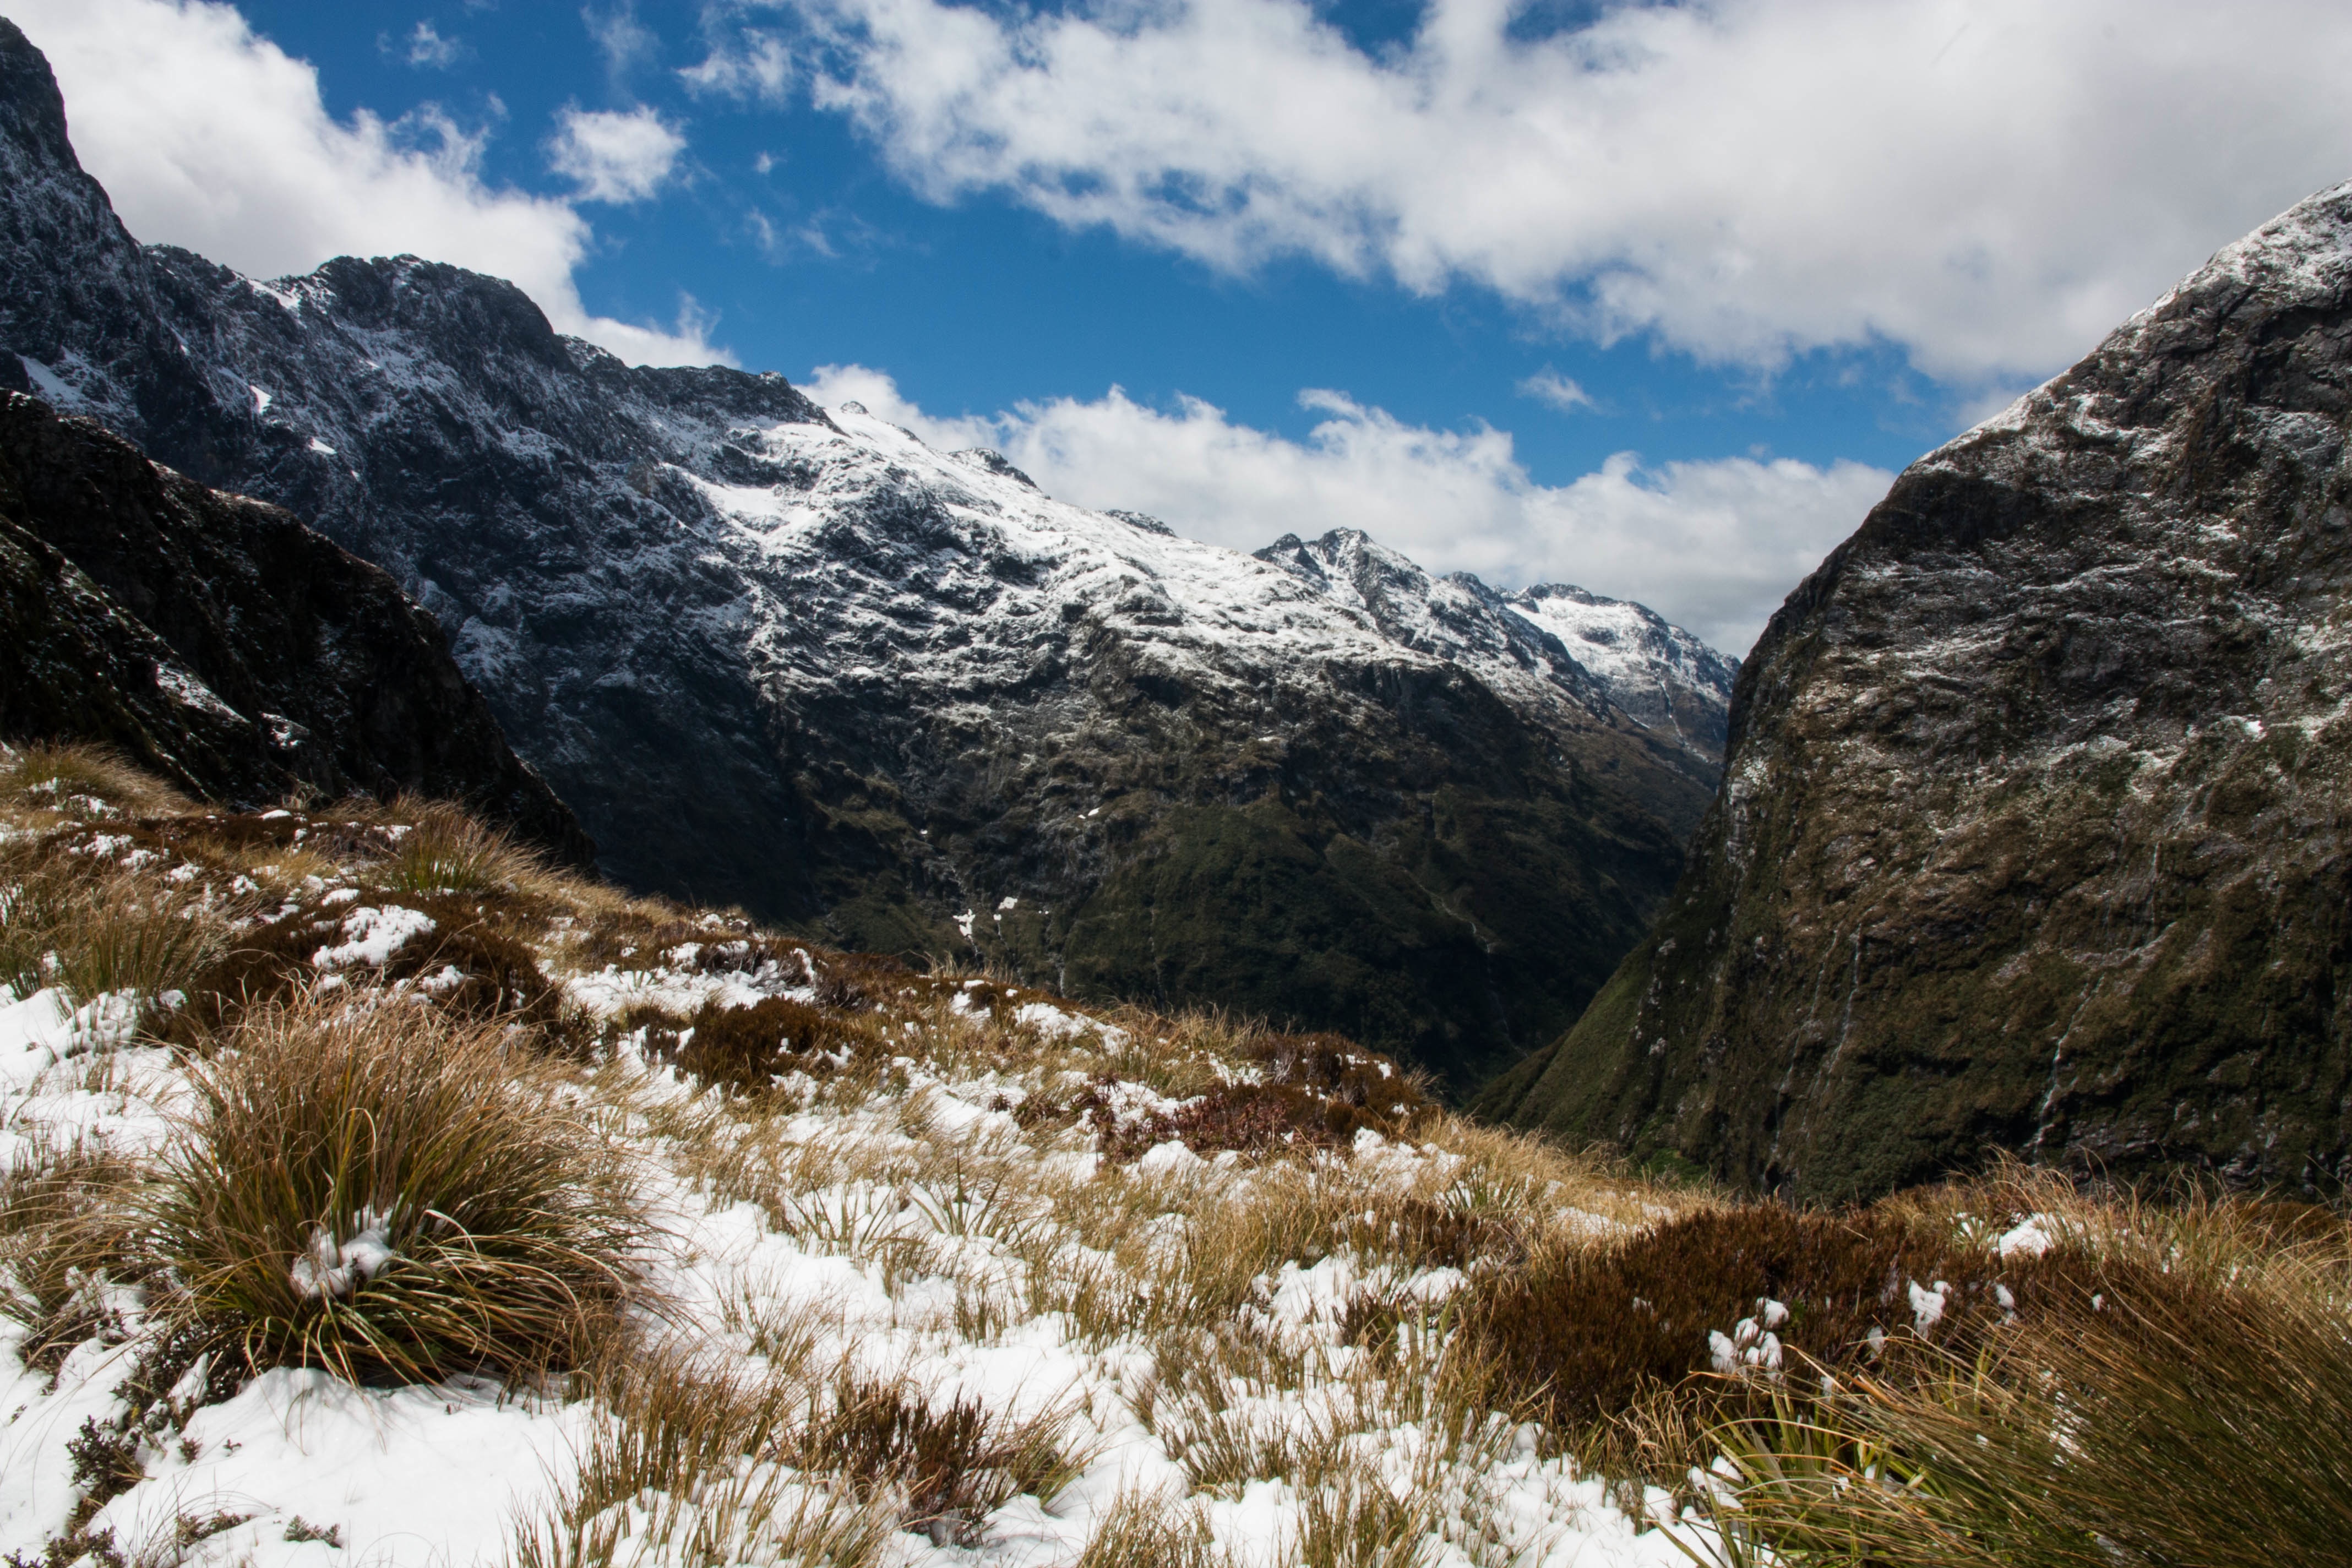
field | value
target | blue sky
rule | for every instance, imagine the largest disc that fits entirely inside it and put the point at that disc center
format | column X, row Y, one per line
column 1762, row 252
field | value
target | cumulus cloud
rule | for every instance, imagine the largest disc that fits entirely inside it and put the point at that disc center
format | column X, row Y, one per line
column 620, row 39
column 1989, row 185
column 1547, row 386
column 614, row 155
column 1713, row 546
column 210, row 136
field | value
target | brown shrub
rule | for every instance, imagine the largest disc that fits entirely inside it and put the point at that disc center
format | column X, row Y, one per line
column 868, row 980
column 496, row 977
column 1318, row 1092
column 746, row 1050
column 1591, row 1334
column 466, row 967
column 1335, row 1069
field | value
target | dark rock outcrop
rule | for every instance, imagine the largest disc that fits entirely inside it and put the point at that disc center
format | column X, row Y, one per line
column 217, row 640
column 2034, row 833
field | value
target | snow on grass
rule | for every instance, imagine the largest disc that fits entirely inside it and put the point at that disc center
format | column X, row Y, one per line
column 905, row 1305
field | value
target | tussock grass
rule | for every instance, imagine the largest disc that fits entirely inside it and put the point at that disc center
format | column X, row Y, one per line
column 2186, row 1398
column 445, row 850
column 703, row 1460
column 392, row 1196
column 686, row 1464
column 90, row 929
column 51, row 777
column 1149, row 1530
column 64, row 1225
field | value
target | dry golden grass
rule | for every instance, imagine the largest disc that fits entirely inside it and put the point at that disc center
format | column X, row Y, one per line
column 52, row 779
column 65, row 1223
column 90, row 929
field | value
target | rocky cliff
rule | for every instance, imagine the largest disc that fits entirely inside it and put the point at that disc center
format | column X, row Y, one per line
column 794, row 658
column 218, row 641
column 2033, row 833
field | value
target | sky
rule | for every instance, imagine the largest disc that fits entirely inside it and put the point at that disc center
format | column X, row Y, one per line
column 1651, row 298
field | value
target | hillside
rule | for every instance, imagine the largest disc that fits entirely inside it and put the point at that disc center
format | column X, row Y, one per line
column 794, row 659
column 371, row 1192
column 219, row 642
column 2032, row 837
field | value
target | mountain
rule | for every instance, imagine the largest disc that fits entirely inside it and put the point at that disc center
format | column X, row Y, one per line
column 797, row 660
column 2034, row 833
column 1538, row 645
column 217, row 640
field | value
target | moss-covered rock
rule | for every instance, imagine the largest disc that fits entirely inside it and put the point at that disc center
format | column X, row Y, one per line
column 2034, row 828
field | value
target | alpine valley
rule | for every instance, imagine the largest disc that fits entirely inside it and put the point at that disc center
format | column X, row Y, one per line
column 793, row 659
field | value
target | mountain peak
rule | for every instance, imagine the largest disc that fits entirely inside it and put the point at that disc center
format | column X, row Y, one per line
column 1587, row 647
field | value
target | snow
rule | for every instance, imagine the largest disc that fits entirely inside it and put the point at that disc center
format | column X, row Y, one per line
column 1051, row 1021
column 1928, row 1304
column 371, row 936
column 425, row 1476
column 55, row 390
column 2029, row 1238
column 335, row 1268
column 191, row 692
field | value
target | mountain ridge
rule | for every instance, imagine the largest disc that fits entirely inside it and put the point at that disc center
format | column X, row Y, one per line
column 216, row 639
column 792, row 658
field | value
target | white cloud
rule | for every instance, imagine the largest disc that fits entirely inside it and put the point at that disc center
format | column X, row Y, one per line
column 1713, row 546
column 753, row 64
column 426, row 48
column 1547, row 386
column 614, row 157
column 1990, row 185
column 210, row 137
column 622, row 39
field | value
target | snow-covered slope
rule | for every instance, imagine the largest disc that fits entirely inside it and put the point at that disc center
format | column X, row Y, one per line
column 796, row 659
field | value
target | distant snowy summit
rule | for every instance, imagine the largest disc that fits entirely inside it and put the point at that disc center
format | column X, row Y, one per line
column 1657, row 674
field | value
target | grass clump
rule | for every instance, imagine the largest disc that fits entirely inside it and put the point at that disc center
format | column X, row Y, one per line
column 392, row 1196
column 688, row 1462
column 82, row 779
column 745, row 1050
column 62, row 1228
column 90, row 930
column 2167, row 1405
column 1627, row 1342
column 445, row 850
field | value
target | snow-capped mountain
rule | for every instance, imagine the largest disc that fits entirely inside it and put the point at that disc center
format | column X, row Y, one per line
column 1539, row 645
column 797, row 660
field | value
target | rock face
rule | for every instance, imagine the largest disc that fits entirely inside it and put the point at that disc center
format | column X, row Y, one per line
column 2034, row 833
column 217, row 640
column 800, row 661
